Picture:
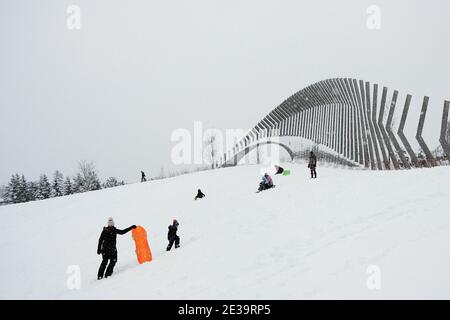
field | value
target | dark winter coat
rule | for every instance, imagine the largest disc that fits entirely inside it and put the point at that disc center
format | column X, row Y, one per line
column 107, row 241
column 312, row 161
column 199, row 195
column 172, row 232
column 279, row 170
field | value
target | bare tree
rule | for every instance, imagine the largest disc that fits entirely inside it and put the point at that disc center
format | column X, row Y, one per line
column 210, row 145
column 162, row 173
column 89, row 176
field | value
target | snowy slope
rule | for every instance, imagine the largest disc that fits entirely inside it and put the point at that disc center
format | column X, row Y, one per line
column 304, row 239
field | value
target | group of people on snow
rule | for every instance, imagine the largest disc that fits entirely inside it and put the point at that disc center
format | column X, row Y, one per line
column 108, row 249
column 107, row 241
column 267, row 182
column 108, row 238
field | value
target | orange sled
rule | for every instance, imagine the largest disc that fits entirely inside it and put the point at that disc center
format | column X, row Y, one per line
column 143, row 252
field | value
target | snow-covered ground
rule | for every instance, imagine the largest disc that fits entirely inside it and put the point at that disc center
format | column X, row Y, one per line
column 305, row 239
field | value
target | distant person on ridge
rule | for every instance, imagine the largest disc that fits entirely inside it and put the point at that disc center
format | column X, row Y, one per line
column 312, row 164
column 199, row 195
column 107, row 248
column 172, row 235
column 143, row 178
column 279, row 170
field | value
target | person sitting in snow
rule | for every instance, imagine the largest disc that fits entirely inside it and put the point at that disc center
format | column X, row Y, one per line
column 107, row 248
column 172, row 235
column 266, row 182
column 279, row 170
column 199, row 195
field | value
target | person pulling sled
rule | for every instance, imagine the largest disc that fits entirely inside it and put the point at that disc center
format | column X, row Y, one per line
column 107, row 248
column 172, row 235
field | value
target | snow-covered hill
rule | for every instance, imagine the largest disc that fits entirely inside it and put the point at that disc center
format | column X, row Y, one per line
column 303, row 239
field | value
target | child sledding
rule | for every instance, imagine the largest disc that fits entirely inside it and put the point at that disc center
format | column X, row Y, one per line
column 266, row 183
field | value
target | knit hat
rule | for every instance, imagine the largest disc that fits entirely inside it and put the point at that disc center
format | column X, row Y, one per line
column 110, row 222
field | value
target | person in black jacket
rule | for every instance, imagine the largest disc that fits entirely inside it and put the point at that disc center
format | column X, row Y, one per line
column 172, row 235
column 279, row 170
column 107, row 248
column 199, row 195
column 312, row 164
column 143, row 178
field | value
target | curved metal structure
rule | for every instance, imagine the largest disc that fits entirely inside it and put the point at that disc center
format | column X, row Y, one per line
column 242, row 153
column 343, row 115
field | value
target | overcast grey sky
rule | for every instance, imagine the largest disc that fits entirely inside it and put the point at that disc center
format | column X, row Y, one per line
column 113, row 91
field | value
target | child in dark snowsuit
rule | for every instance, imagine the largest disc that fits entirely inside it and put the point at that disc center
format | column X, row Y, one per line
column 199, row 195
column 107, row 248
column 172, row 235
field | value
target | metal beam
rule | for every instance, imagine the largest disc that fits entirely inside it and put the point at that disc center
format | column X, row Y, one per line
column 430, row 160
column 362, row 125
column 377, row 128
column 401, row 134
column 391, row 133
column 376, row 163
column 443, row 138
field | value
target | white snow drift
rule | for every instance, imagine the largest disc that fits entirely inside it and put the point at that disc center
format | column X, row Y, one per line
column 305, row 239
